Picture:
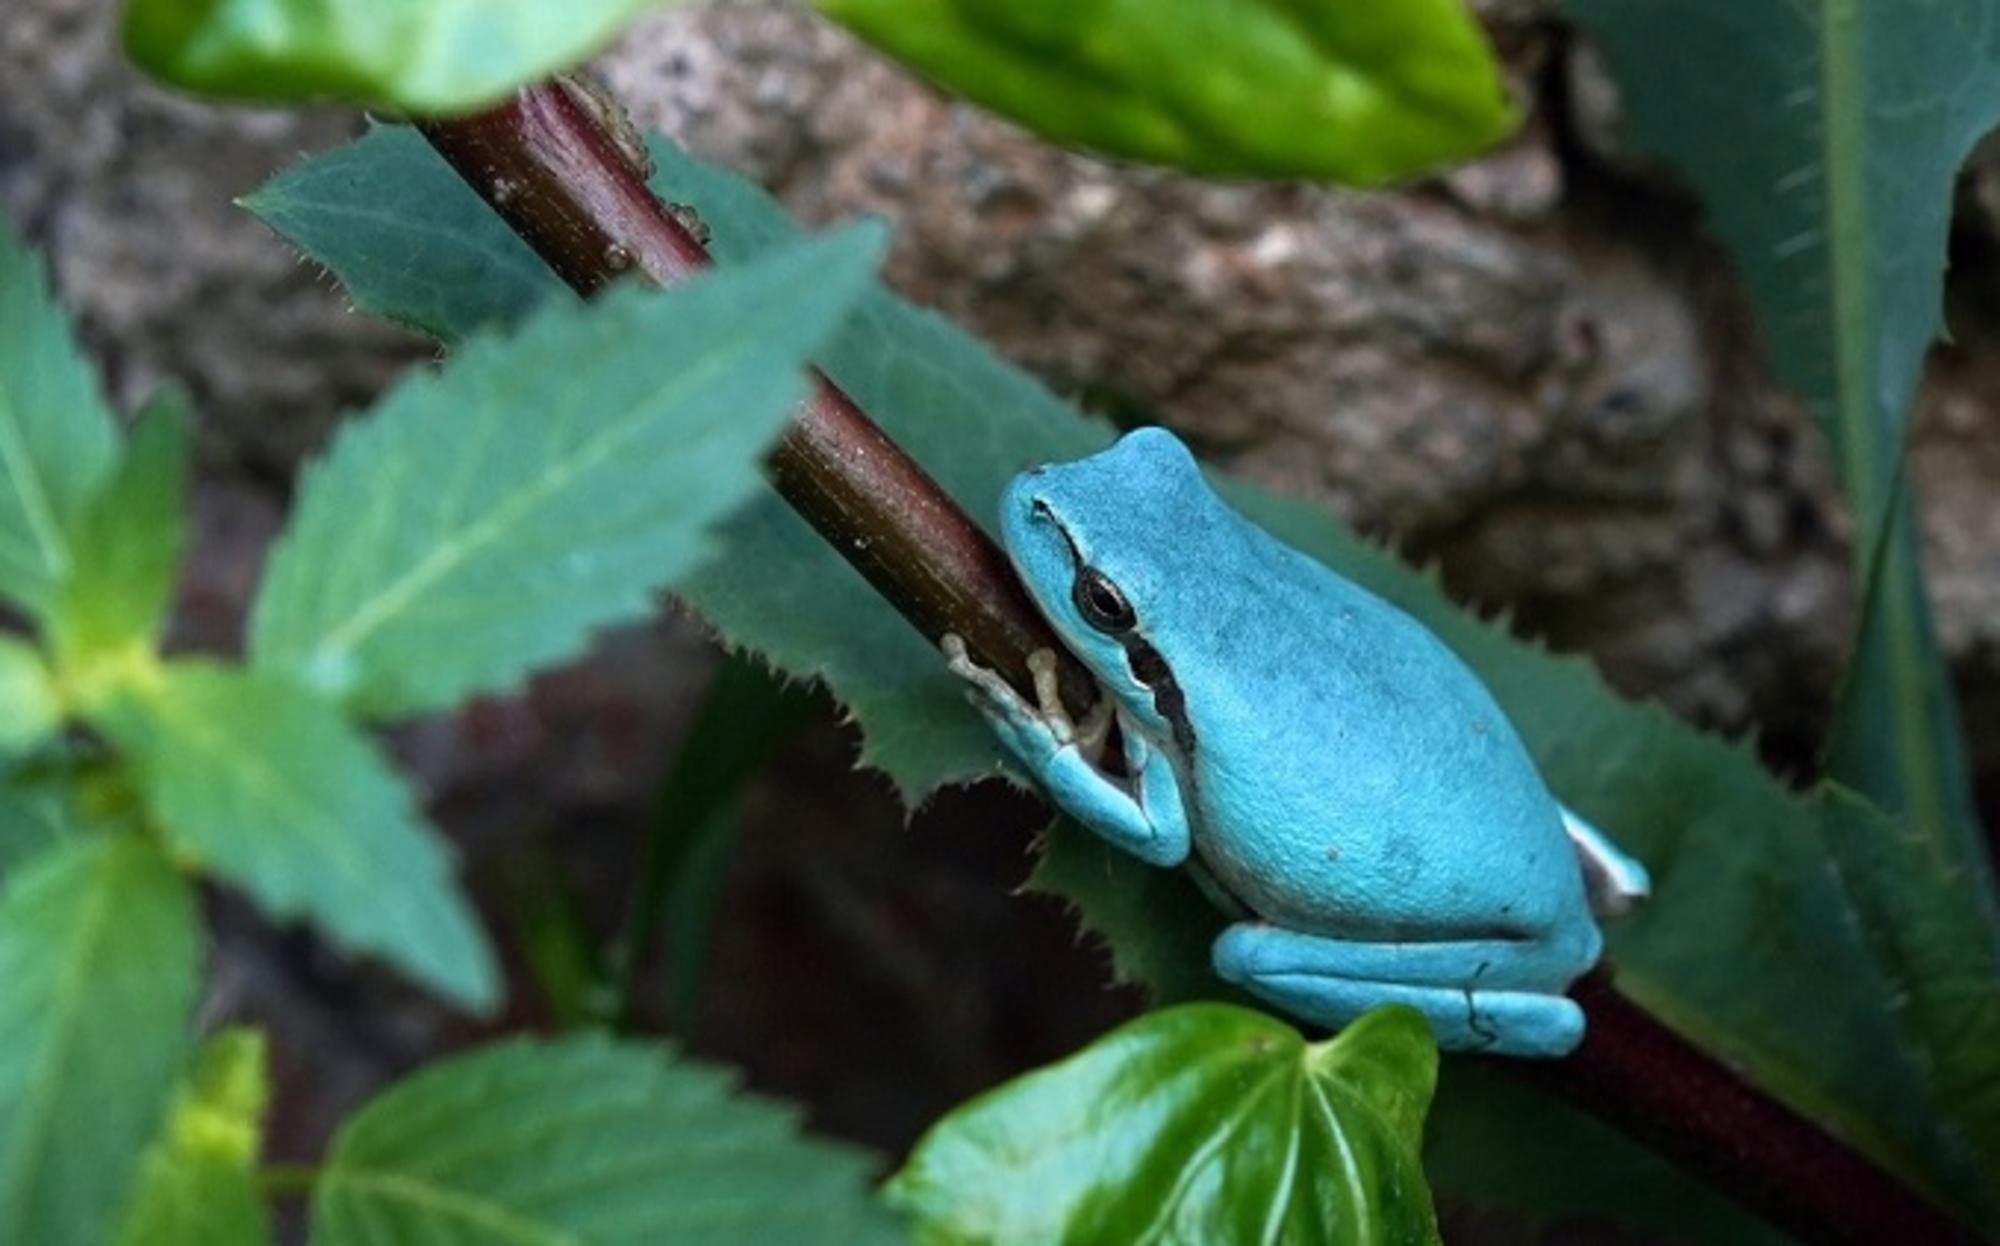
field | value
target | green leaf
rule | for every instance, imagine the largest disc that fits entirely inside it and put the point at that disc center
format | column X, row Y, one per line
column 1750, row 943
column 198, row 1183
column 1847, row 123
column 265, row 784
column 440, row 56
column 484, row 520
column 36, row 813
column 1360, row 93
column 747, row 716
column 99, row 956
column 57, row 440
column 1203, row 1123
column 30, row 706
column 128, row 542
column 1560, row 1173
column 585, row 1141
column 448, row 271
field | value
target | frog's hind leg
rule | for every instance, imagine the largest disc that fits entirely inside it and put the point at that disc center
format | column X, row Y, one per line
column 1480, row 995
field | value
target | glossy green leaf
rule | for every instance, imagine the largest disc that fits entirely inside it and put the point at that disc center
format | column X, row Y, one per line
column 57, row 441
column 100, row 951
column 1203, row 1123
column 485, row 520
column 128, row 542
column 197, row 1184
column 30, row 706
column 266, row 785
column 1750, row 943
column 1848, row 123
column 584, row 1141
column 438, row 56
column 1358, row 93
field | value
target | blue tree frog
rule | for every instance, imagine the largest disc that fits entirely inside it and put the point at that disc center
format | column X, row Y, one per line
column 1331, row 764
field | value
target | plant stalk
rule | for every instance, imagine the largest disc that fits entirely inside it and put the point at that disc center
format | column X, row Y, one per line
column 561, row 181
column 558, row 178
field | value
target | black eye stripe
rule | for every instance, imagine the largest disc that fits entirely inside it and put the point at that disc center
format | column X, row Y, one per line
column 1151, row 670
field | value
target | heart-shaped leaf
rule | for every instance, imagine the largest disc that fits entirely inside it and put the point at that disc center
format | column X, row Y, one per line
column 1203, row 1123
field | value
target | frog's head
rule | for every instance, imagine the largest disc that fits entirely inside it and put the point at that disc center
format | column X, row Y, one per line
column 1105, row 545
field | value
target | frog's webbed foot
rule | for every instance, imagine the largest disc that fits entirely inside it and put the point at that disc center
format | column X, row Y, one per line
column 1143, row 814
column 1479, row 995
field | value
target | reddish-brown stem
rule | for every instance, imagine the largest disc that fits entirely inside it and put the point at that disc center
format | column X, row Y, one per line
column 561, row 182
column 1664, row 1091
column 565, row 186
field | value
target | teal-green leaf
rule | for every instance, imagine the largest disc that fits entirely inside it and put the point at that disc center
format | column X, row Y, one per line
column 1847, row 124
column 585, row 1141
column 37, row 811
column 128, row 541
column 1357, row 93
column 266, row 784
column 1202, row 1123
column 100, row 952
column 197, row 1183
column 438, row 56
column 57, row 440
column 30, row 706
column 1749, row 942
column 447, row 272
column 485, row 519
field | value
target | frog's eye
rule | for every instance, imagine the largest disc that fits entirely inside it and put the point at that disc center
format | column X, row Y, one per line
column 1100, row 603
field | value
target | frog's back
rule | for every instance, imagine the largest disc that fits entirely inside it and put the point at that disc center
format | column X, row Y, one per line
column 1400, row 793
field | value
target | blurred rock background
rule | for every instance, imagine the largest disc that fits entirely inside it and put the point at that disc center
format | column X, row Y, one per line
column 1535, row 371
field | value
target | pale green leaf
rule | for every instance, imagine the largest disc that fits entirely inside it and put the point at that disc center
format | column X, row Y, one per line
column 198, row 1184
column 1749, row 942
column 585, row 1142
column 100, row 951
column 268, row 786
column 30, row 706
column 484, row 520
column 1361, row 93
column 128, row 542
column 57, row 440
column 1203, row 1123
column 438, row 56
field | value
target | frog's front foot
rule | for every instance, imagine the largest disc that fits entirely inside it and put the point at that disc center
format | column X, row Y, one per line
column 1483, row 995
column 1140, row 812
column 1030, row 732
